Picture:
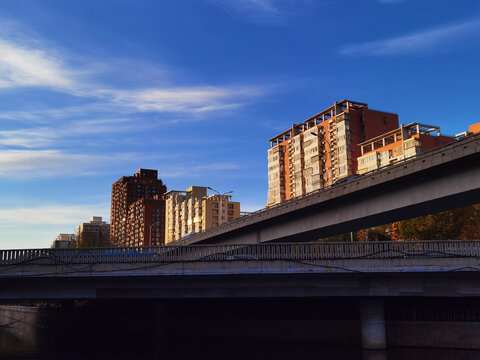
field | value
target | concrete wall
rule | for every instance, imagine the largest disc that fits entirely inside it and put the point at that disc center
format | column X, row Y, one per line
column 20, row 321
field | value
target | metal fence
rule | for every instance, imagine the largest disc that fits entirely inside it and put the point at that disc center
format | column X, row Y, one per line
column 250, row 252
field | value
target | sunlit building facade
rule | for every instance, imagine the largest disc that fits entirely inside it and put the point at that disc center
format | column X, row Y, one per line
column 402, row 143
column 144, row 184
column 322, row 149
column 192, row 211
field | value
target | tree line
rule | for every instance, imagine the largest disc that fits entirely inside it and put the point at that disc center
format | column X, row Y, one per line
column 457, row 224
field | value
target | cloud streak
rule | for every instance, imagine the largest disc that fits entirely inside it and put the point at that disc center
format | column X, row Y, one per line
column 52, row 214
column 270, row 12
column 24, row 164
column 181, row 99
column 425, row 42
column 60, row 141
column 28, row 63
column 22, row 66
column 45, row 136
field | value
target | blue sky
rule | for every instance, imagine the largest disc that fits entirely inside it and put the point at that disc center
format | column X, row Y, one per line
column 93, row 90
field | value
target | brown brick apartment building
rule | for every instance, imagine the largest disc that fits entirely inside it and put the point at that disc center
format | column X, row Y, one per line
column 144, row 184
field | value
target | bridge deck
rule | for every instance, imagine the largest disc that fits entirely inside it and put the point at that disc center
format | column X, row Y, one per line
column 437, row 180
column 423, row 268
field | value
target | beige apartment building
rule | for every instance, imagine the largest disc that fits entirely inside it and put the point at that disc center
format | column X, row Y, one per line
column 64, row 241
column 193, row 211
column 218, row 209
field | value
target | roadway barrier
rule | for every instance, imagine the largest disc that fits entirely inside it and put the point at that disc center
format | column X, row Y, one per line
column 266, row 251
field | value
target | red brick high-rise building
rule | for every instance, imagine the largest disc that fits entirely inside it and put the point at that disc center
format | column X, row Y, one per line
column 126, row 191
column 322, row 149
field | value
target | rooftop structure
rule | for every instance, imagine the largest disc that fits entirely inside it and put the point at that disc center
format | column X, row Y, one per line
column 404, row 142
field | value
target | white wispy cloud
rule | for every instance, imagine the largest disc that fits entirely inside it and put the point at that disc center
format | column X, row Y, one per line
column 423, row 42
column 47, row 136
column 58, row 141
column 60, row 114
column 188, row 170
column 184, row 99
column 47, row 163
column 53, row 214
column 273, row 12
column 29, row 62
column 22, row 65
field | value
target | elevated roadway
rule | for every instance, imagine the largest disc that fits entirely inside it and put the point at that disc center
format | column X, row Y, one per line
column 439, row 180
column 424, row 268
column 369, row 272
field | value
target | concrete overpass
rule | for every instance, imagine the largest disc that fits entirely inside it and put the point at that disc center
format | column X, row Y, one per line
column 424, row 268
column 369, row 272
column 439, row 180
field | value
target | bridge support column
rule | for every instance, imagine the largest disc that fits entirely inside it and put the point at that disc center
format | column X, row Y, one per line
column 372, row 317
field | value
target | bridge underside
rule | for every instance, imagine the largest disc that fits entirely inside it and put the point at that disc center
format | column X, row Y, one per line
column 405, row 191
column 422, row 277
column 244, row 286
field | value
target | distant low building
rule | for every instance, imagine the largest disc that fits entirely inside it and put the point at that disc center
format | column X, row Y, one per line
column 95, row 233
column 64, row 241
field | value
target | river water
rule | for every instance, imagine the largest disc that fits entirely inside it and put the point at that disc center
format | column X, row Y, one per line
column 140, row 331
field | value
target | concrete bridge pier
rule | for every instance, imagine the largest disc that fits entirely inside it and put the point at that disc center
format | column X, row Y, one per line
column 372, row 317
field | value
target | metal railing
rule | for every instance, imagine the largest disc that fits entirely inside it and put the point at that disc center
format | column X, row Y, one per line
column 250, row 252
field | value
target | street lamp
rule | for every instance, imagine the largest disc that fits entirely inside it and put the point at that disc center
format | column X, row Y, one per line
column 228, row 192
column 321, row 136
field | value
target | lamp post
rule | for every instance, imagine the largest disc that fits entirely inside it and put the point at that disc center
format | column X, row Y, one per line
column 321, row 136
column 220, row 208
column 124, row 228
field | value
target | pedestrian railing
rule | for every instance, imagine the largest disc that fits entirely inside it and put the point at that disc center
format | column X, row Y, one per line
column 247, row 252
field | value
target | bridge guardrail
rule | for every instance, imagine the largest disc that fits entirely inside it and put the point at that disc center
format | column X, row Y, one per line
column 255, row 252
